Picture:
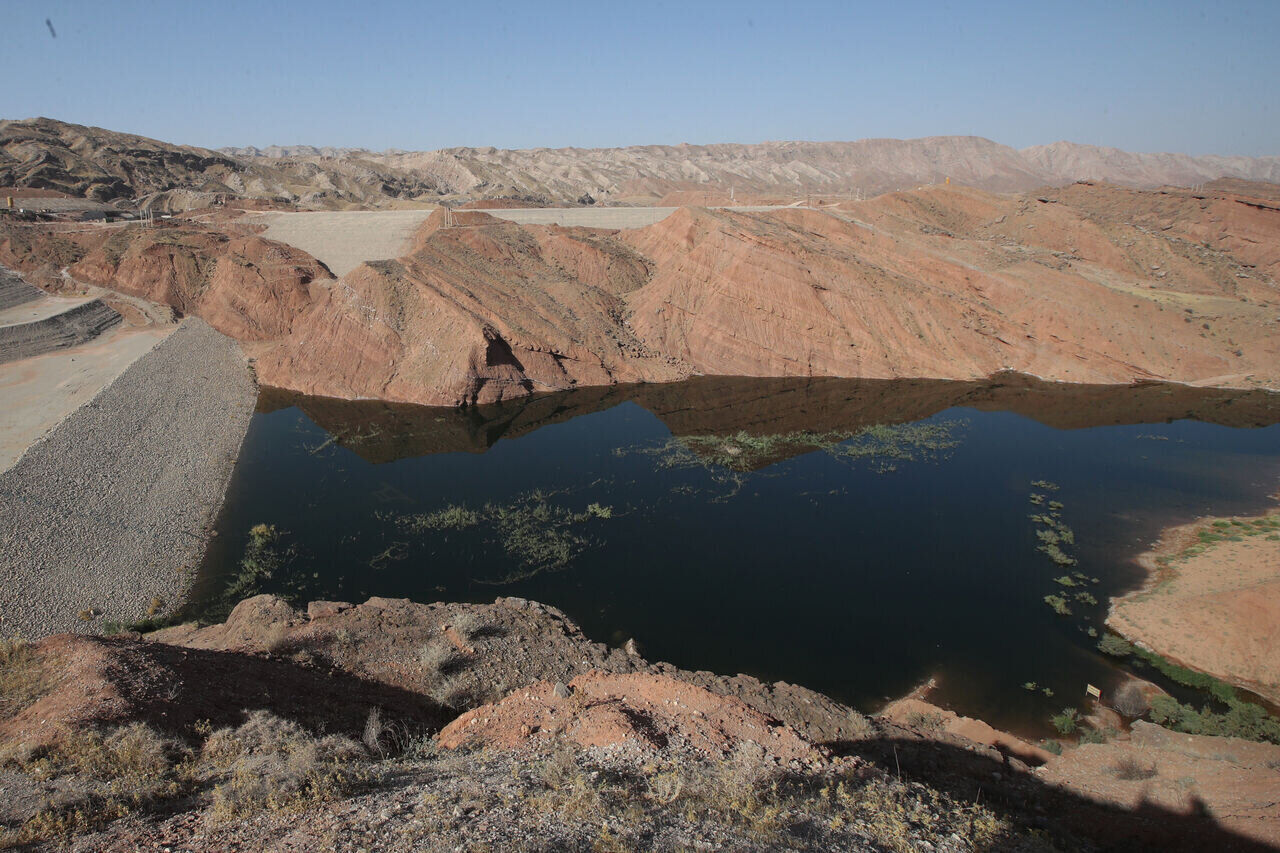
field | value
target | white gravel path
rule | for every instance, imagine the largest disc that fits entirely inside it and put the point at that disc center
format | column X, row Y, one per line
column 114, row 506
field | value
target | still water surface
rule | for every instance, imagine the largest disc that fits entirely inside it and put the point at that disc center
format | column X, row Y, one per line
column 764, row 526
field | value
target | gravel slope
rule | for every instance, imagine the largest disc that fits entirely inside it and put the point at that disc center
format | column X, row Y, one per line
column 113, row 508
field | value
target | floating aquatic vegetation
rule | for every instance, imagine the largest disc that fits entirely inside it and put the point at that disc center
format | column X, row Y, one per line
column 394, row 552
column 1059, row 604
column 452, row 517
column 535, row 533
column 263, row 563
column 743, row 452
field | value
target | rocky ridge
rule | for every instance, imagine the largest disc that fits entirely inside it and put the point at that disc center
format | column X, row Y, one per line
column 580, row 743
column 105, row 165
column 1091, row 284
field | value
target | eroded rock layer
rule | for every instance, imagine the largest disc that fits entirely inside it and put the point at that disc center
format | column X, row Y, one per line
column 1089, row 284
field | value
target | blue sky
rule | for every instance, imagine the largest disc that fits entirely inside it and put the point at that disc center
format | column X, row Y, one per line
column 1146, row 76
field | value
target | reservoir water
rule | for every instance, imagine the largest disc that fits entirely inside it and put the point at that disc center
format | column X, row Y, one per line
column 857, row 537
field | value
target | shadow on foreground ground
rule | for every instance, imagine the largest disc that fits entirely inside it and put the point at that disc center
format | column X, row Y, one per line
column 1011, row 791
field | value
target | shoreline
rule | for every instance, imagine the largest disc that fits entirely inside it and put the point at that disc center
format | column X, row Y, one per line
column 1209, row 565
column 108, row 515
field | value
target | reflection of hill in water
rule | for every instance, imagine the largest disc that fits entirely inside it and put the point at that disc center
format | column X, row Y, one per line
column 384, row 432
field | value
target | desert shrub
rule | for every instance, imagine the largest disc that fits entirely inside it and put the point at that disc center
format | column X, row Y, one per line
column 1066, row 722
column 439, row 656
column 468, row 625
column 1131, row 701
column 1129, row 769
column 860, row 726
column 925, row 721
column 373, row 731
column 274, row 764
column 1092, row 735
column 120, row 771
column 132, row 754
column 1051, row 745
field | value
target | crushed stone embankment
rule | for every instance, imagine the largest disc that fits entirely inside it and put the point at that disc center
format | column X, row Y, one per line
column 109, row 515
column 64, row 325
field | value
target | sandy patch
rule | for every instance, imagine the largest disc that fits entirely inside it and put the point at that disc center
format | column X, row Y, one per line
column 1213, row 601
column 343, row 241
column 37, row 393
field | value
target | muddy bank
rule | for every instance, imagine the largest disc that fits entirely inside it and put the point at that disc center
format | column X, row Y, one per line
column 1212, row 601
column 107, row 517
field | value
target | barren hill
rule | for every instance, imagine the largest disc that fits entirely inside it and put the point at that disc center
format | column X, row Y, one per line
column 643, row 174
column 1090, row 283
column 105, row 165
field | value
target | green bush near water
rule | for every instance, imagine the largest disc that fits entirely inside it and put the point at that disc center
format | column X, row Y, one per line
column 1115, row 645
column 1242, row 719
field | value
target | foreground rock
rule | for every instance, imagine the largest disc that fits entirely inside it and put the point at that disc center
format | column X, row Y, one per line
column 221, row 737
column 1212, row 601
column 464, row 655
column 95, row 519
column 604, row 709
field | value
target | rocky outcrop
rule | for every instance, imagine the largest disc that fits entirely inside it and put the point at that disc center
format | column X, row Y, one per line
column 939, row 283
column 134, row 171
column 1089, row 284
column 475, row 314
column 587, row 735
column 604, row 709
column 464, row 655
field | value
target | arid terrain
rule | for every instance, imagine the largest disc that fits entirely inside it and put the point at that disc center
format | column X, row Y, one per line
column 360, row 285
column 1090, row 283
column 1213, row 601
column 105, row 166
column 589, row 743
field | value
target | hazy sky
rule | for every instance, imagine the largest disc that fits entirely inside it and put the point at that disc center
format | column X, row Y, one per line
column 1146, row 76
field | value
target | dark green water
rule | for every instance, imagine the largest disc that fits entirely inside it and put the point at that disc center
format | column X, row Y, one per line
column 860, row 569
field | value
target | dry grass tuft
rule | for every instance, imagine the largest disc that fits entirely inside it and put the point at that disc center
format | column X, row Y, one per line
column 129, row 768
column 274, row 764
column 1129, row 769
column 23, row 679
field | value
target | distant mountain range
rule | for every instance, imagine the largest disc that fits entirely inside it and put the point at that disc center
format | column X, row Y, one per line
column 106, row 165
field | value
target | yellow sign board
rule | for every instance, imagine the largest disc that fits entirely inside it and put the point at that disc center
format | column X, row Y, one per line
column 1093, row 691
